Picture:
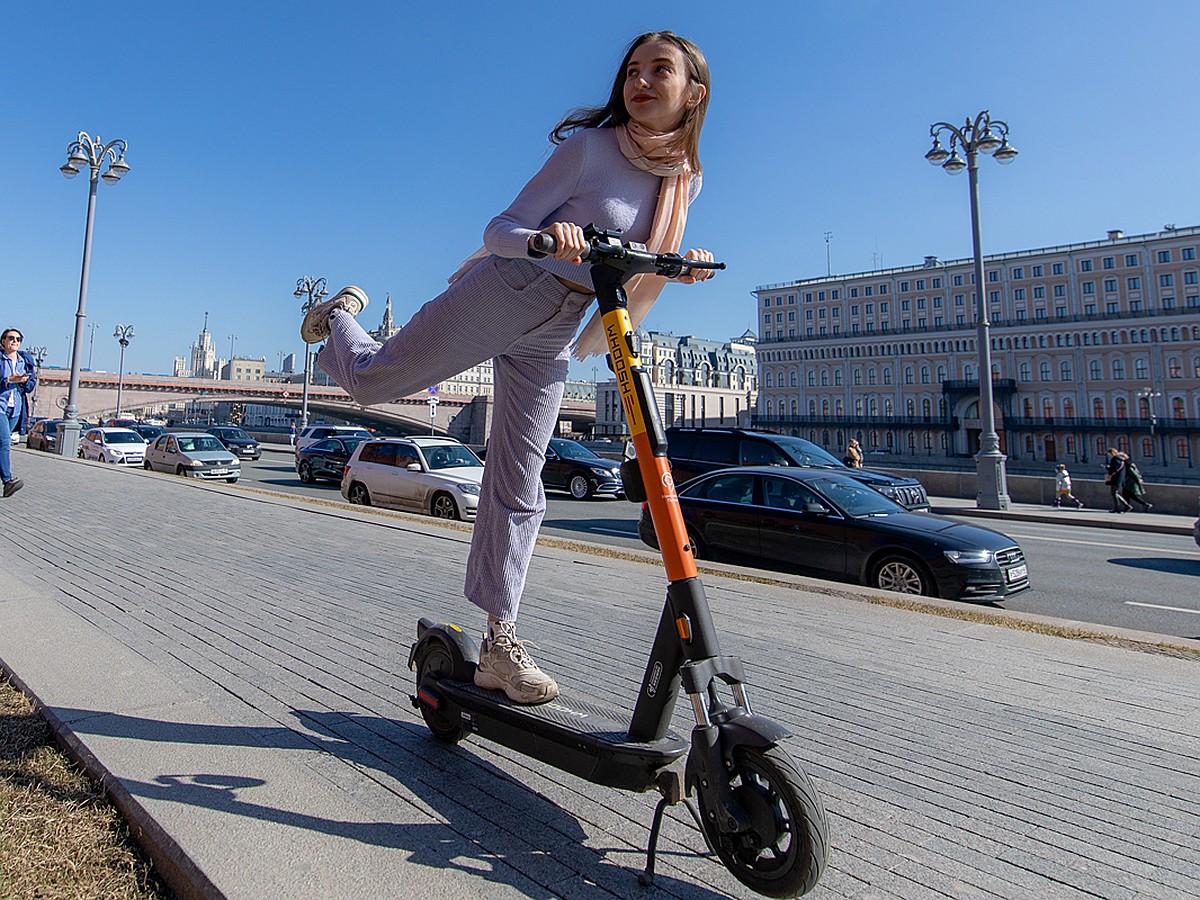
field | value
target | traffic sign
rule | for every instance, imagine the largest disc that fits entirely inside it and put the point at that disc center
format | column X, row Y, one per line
column 433, row 390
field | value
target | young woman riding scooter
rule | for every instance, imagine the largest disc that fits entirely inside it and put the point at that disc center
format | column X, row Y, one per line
column 631, row 165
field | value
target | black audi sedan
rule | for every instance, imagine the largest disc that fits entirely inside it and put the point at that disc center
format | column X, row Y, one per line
column 574, row 468
column 833, row 526
column 326, row 458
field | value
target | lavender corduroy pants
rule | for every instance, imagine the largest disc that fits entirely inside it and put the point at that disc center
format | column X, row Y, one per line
column 521, row 317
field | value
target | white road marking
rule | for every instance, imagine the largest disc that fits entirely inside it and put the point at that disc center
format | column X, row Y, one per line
column 1058, row 540
column 1195, row 612
column 614, row 531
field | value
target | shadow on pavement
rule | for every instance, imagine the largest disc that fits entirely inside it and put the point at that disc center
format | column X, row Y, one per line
column 1161, row 564
column 494, row 827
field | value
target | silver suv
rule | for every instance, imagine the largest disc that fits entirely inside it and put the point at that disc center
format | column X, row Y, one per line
column 437, row 476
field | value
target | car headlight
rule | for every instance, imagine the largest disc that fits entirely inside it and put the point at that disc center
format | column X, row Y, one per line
column 470, row 488
column 969, row 557
column 196, row 463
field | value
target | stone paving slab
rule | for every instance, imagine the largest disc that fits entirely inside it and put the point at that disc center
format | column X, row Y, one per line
column 235, row 662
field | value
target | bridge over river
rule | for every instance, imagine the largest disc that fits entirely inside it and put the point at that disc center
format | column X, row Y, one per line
column 466, row 417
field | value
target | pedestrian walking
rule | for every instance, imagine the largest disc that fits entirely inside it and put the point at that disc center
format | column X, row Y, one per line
column 633, row 165
column 292, row 433
column 18, row 380
column 853, row 457
column 1114, row 477
column 1062, row 488
column 1133, row 488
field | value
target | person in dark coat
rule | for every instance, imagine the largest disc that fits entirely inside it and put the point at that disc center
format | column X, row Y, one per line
column 1115, row 479
column 1133, row 488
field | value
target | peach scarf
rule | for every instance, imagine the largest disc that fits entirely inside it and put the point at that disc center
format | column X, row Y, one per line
column 658, row 154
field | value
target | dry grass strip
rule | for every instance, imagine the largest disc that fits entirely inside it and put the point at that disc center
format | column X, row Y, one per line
column 59, row 837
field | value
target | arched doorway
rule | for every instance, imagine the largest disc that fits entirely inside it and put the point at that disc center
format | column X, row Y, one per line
column 1051, row 448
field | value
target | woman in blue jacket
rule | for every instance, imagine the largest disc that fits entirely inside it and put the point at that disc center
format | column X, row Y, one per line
column 18, row 379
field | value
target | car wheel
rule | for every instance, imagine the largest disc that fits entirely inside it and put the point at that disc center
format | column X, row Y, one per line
column 903, row 575
column 181, row 471
column 579, row 486
column 306, row 473
column 81, row 456
column 443, row 506
column 358, row 494
column 146, row 465
column 231, row 480
column 699, row 551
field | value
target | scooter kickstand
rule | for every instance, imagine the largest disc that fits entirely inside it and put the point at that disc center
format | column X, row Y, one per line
column 646, row 877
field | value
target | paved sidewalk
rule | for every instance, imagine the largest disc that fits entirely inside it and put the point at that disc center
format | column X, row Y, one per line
column 233, row 663
column 1091, row 518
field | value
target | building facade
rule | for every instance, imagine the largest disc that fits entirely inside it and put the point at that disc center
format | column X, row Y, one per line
column 695, row 381
column 1093, row 345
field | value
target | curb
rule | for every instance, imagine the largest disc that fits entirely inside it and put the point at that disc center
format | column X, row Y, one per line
column 1117, row 523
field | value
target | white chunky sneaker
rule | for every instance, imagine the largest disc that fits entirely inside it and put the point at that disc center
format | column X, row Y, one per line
column 315, row 327
column 505, row 665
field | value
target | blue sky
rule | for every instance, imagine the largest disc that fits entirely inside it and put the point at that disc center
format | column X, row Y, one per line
column 370, row 143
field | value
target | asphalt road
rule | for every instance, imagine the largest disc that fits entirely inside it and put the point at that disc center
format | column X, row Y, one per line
column 1139, row 580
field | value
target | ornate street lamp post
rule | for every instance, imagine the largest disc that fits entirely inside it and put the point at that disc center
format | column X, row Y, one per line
column 39, row 356
column 991, row 137
column 122, row 333
column 312, row 291
column 84, row 151
column 1150, row 395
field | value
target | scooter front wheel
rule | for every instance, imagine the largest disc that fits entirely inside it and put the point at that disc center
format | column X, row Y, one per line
column 433, row 663
column 784, row 851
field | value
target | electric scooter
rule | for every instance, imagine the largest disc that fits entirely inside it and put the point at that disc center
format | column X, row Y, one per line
column 758, row 810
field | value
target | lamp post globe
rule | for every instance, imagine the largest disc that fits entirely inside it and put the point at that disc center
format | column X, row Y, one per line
column 990, row 136
column 92, row 153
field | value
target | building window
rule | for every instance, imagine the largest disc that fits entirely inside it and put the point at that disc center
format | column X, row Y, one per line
column 1118, row 370
column 1133, row 284
column 1094, row 370
column 1122, row 408
column 1164, row 256
column 1109, row 262
column 1044, row 371
column 993, row 275
column 1085, row 265
column 1018, row 272
column 1110, row 285
column 1064, row 370
column 1140, row 368
column 1131, row 260
column 1036, row 271
column 1025, row 371
column 1187, row 253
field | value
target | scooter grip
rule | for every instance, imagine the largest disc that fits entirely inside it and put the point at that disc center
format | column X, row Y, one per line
column 543, row 244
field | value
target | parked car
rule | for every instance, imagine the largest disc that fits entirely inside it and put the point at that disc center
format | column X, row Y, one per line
column 694, row 451
column 574, row 468
column 43, row 435
column 120, row 446
column 834, row 526
column 120, row 423
column 313, row 433
column 438, row 476
column 236, row 441
column 194, row 454
column 149, row 432
column 325, row 459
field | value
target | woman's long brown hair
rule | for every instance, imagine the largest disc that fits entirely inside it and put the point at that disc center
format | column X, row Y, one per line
column 615, row 113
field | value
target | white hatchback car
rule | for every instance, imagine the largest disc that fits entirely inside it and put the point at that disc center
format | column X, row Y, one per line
column 438, row 476
column 121, row 446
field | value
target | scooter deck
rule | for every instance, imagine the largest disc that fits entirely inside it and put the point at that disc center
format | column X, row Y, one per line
column 580, row 736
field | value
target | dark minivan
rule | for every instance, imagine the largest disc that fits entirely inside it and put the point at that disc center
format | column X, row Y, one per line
column 695, row 451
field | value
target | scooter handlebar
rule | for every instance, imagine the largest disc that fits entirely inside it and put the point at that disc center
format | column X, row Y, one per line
column 670, row 265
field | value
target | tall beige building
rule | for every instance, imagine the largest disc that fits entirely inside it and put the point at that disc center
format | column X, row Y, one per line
column 1094, row 345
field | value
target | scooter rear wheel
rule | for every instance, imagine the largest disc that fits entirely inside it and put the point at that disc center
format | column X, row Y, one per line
column 784, row 852
column 434, row 663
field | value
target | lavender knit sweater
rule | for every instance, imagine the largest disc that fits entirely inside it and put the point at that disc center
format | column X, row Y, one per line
column 587, row 180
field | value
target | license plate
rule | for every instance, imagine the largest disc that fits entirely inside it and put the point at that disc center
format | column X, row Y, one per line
column 224, row 472
column 1016, row 573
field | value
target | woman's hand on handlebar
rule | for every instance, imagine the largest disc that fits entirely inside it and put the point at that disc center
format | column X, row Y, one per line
column 569, row 243
column 697, row 274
